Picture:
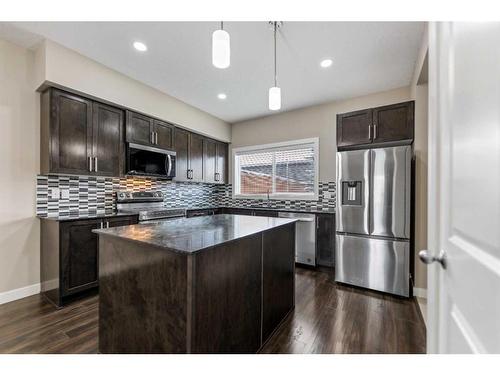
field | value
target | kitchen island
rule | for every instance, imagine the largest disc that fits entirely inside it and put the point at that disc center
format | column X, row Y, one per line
column 212, row 284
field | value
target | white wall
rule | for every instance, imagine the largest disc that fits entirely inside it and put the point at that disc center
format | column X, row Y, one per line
column 19, row 165
column 316, row 121
column 62, row 66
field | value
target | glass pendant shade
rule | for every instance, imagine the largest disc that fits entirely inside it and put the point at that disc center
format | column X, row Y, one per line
column 221, row 50
column 274, row 98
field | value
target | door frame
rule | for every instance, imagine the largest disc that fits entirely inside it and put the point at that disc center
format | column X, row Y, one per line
column 433, row 189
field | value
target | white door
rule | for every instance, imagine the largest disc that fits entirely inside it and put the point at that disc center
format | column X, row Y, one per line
column 464, row 187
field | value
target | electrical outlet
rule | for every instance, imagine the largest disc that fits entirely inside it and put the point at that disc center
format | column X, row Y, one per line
column 54, row 193
column 65, row 193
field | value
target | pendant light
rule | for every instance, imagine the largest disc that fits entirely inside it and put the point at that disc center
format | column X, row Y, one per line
column 275, row 91
column 221, row 50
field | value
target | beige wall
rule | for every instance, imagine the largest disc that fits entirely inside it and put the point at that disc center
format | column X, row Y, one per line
column 19, row 165
column 316, row 121
column 59, row 65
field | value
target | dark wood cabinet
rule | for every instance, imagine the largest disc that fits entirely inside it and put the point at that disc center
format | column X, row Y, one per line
column 181, row 147
column 108, row 145
column 325, row 239
column 196, row 157
column 69, row 261
column 148, row 131
column 222, row 159
column 199, row 159
column 83, row 137
column 354, row 128
column 164, row 137
column 66, row 133
column 139, row 128
column 79, row 255
column 210, row 160
column 392, row 124
column 80, row 136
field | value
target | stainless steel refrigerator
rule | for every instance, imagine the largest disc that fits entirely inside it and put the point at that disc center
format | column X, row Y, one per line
column 373, row 219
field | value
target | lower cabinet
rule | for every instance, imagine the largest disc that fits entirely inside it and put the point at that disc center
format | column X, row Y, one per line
column 69, row 261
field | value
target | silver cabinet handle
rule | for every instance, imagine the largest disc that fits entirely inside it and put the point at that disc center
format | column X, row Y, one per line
column 102, row 225
column 107, row 224
column 370, row 132
column 187, row 173
column 90, row 163
column 429, row 259
column 156, row 138
column 374, row 131
column 152, row 138
column 95, row 164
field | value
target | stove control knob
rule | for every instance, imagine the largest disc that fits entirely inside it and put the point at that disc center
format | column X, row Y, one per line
column 121, row 195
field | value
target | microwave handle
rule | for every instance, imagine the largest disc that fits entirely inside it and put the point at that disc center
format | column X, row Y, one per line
column 169, row 167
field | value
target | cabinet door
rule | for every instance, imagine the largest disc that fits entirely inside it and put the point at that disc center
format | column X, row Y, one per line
column 164, row 134
column 196, row 157
column 222, row 162
column 139, row 128
column 107, row 140
column 122, row 221
column 181, row 146
column 70, row 133
column 353, row 128
column 393, row 122
column 325, row 239
column 79, row 255
column 210, row 160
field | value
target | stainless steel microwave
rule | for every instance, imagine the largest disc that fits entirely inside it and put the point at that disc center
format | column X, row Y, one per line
column 150, row 161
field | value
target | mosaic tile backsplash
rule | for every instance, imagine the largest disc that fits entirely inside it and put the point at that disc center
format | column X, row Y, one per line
column 71, row 195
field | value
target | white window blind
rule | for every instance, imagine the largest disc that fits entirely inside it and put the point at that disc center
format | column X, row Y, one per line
column 285, row 170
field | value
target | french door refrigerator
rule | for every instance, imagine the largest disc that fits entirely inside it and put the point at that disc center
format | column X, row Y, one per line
column 373, row 219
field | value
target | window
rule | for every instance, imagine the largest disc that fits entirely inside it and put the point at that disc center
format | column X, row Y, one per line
column 287, row 170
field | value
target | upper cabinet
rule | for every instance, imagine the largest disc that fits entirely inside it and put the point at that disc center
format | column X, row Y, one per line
column 392, row 123
column 79, row 136
column 84, row 137
column 145, row 130
column 215, row 161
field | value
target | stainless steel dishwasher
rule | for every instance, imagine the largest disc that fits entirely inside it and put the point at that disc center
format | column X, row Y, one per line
column 305, row 237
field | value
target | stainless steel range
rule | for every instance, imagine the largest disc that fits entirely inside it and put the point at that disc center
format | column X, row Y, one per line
column 148, row 205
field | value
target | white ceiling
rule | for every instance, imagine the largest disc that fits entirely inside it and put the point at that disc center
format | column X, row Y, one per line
column 367, row 57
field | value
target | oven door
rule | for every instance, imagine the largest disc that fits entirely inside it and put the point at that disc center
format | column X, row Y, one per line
column 150, row 161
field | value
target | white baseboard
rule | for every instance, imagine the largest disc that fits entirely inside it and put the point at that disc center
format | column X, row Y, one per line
column 420, row 292
column 12, row 295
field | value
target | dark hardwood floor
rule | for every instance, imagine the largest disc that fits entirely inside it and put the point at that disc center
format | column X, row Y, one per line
column 328, row 318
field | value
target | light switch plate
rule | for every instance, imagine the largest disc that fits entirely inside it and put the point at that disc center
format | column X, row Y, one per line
column 54, row 193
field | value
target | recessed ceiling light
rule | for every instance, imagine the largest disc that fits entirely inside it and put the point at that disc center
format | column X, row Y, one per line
column 222, row 96
column 139, row 46
column 326, row 63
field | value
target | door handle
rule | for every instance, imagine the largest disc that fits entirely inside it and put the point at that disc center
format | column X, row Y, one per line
column 426, row 258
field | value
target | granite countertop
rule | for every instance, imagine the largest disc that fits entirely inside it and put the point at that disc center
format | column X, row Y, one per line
column 90, row 215
column 189, row 235
column 277, row 209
